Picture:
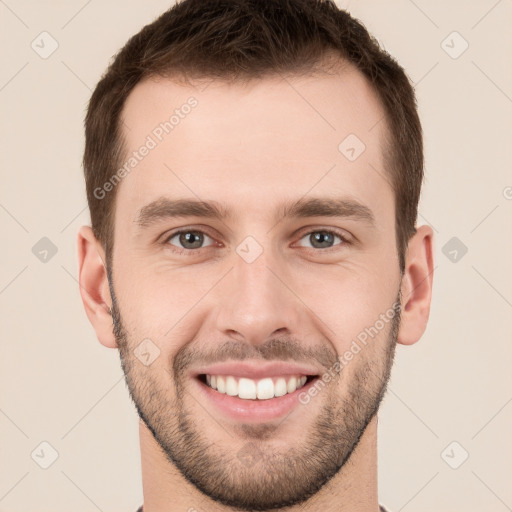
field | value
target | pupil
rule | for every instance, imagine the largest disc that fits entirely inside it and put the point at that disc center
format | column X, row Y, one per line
column 195, row 239
column 322, row 238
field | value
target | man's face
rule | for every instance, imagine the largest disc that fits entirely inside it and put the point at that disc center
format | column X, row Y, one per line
column 255, row 298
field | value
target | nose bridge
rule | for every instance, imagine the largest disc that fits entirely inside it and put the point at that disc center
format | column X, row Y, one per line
column 254, row 302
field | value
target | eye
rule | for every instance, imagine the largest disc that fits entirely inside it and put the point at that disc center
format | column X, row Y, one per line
column 322, row 239
column 188, row 239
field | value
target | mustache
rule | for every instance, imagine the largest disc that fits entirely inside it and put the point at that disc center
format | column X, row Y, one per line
column 278, row 349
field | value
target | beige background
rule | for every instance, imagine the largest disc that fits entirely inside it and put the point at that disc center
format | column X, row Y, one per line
column 59, row 385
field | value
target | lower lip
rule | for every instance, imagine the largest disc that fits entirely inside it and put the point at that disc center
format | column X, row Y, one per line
column 253, row 411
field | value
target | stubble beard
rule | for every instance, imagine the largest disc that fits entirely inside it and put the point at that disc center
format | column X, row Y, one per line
column 246, row 472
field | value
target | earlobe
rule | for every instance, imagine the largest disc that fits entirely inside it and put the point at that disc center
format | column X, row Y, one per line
column 94, row 289
column 417, row 286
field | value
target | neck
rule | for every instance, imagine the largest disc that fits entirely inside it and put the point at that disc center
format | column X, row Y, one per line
column 353, row 488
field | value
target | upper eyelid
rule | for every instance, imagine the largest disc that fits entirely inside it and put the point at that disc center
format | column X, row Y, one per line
column 343, row 234
column 346, row 239
column 166, row 237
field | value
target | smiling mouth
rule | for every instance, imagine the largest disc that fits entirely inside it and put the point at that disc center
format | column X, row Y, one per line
column 255, row 389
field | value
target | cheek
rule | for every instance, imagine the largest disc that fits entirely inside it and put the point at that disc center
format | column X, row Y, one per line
column 163, row 304
column 348, row 302
column 169, row 304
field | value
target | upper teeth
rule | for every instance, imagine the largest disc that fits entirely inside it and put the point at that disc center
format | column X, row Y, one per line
column 262, row 389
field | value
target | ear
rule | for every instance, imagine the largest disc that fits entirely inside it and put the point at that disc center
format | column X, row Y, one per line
column 94, row 289
column 417, row 286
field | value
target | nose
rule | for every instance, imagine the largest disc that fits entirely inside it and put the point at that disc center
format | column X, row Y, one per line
column 255, row 302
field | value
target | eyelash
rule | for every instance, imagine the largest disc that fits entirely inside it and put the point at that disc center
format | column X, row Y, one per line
column 344, row 240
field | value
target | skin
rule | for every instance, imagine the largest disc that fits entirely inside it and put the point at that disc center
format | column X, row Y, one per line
column 251, row 148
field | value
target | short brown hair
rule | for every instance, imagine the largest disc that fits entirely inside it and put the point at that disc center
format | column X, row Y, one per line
column 239, row 40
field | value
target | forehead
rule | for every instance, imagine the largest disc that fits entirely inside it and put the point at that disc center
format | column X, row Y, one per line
column 254, row 143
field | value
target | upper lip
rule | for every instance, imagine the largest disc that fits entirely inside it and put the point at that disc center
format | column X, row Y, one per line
column 257, row 370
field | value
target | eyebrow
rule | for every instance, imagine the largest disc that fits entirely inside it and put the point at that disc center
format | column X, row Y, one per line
column 167, row 208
